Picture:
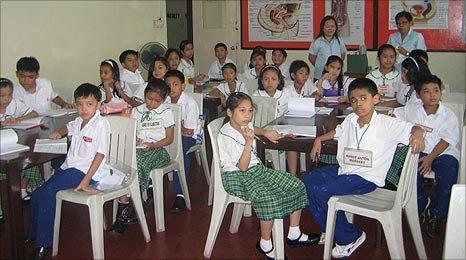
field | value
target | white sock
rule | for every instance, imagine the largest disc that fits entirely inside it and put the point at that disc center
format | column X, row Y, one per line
column 23, row 193
column 294, row 232
column 266, row 246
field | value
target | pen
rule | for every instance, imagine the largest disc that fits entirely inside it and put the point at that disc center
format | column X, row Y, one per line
column 260, row 140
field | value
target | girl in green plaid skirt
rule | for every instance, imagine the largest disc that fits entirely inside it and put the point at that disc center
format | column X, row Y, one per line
column 155, row 130
column 273, row 194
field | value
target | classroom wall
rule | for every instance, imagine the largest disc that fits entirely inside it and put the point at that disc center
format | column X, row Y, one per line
column 449, row 66
column 71, row 38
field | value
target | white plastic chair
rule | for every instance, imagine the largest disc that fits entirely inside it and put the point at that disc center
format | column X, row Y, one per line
column 122, row 156
column 176, row 163
column 251, row 84
column 462, row 170
column 455, row 232
column 199, row 148
column 222, row 199
column 385, row 206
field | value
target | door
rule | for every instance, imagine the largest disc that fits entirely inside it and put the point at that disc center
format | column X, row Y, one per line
column 179, row 24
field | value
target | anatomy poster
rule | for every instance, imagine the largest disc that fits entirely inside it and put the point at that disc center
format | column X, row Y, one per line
column 427, row 14
column 350, row 16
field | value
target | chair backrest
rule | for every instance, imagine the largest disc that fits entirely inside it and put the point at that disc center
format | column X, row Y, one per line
column 462, row 170
column 265, row 112
column 214, row 129
column 458, row 109
column 199, row 98
column 455, row 231
column 175, row 149
column 407, row 184
column 251, row 84
column 454, row 97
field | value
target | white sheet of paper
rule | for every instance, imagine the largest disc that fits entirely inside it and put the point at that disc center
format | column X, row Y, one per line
column 8, row 142
column 298, row 130
column 60, row 112
column 301, row 107
column 51, row 146
column 324, row 110
column 26, row 124
column 329, row 99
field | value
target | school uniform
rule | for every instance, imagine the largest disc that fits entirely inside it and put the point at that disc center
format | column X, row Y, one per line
column 273, row 194
column 306, row 91
column 380, row 138
column 130, row 78
column 115, row 97
column 389, row 83
column 407, row 96
column 246, row 67
column 413, row 40
column 330, row 90
column 251, row 74
column 190, row 120
column 225, row 90
column 282, row 97
column 187, row 67
column 285, row 70
column 215, row 70
column 324, row 49
column 151, row 127
column 139, row 93
column 41, row 100
column 93, row 138
column 441, row 125
column 15, row 109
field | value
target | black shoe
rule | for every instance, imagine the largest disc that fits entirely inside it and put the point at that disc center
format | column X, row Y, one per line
column 179, row 204
column 129, row 214
column 433, row 228
column 311, row 239
column 40, row 253
column 258, row 247
column 29, row 240
column 119, row 226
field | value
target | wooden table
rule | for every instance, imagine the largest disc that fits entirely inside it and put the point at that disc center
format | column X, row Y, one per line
column 210, row 103
column 12, row 165
column 323, row 123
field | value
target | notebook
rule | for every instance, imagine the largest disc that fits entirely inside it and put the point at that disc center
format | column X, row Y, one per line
column 9, row 142
column 26, row 124
column 51, row 146
column 60, row 112
column 301, row 107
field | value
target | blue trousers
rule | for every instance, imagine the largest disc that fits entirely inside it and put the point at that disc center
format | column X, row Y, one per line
column 187, row 142
column 445, row 167
column 43, row 203
column 323, row 183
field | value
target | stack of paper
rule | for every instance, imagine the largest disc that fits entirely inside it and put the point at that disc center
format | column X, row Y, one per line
column 51, row 146
column 8, row 142
column 60, row 112
column 297, row 130
column 324, row 110
column 26, row 124
column 329, row 99
column 301, row 107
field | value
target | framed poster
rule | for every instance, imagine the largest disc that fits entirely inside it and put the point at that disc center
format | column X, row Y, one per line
column 439, row 21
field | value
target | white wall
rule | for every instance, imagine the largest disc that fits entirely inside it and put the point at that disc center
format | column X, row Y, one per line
column 71, row 38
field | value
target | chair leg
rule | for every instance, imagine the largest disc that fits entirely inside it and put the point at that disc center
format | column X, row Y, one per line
column 394, row 236
column 277, row 235
column 56, row 227
column 302, row 162
column 136, row 198
column 349, row 216
column 378, row 234
column 413, row 222
column 157, row 181
column 198, row 157
column 211, row 189
column 218, row 212
column 170, row 176
column 184, row 187
column 330, row 228
column 236, row 217
column 97, row 230
column 47, row 167
column 247, row 211
column 115, row 209
column 205, row 163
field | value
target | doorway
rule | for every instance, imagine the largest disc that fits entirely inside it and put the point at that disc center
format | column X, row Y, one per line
column 179, row 22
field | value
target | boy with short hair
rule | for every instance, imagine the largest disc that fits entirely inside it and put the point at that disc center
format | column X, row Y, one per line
column 130, row 73
column 364, row 133
column 84, row 165
column 189, row 127
column 440, row 154
column 221, row 52
column 34, row 91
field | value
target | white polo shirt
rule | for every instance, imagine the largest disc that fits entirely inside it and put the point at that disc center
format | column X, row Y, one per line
column 441, row 125
column 225, row 90
column 391, row 80
column 282, row 97
column 116, row 98
column 326, row 86
column 187, row 67
column 405, row 98
column 139, row 93
column 152, row 124
column 231, row 146
column 131, row 78
column 15, row 109
column 189, row 113
column 251, row 74
column 285, row 70
column 86, row 143
column 306, row 91
column 215, row 71
column 381, row 136
column 41, row 100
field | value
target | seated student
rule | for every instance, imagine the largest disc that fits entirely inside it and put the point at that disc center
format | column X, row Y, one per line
column 273, row 194
column 278, row 59
column 155, row 131
column 364, row 133
column 258, row 62
column 221, row 52
column 130, row 74
column 186, row 64
column 189, row 128
column 84, row 166
column 230, row 85
column 440, row 154
column 248, row 64
column 413, row 69
column 113, row 90
column 302, row 86
column 333, row 83
column 271, row 84
column 386, row 77
column 34, row 91
column 173, row 57
column 157, row 69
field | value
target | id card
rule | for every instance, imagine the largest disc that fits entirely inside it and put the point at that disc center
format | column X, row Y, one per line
column 357, row 157
column 383, row 89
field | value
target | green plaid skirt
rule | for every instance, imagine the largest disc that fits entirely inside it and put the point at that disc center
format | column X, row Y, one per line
column 148, row 160
column 32, row 174
column 273, row 194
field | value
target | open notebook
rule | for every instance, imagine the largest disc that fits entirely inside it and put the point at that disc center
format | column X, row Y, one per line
column 51, row 146
column 9, row 142
column 29, row 123
column 301, row 107
column 60, row 112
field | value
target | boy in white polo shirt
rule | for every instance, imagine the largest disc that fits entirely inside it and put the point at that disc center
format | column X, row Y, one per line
column 441, row 154
column 84, row 165
column 221, row 52
column 362, row 133
column 130, row 73
column 189, row 127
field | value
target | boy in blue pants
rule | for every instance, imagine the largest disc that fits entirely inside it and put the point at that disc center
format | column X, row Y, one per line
column 363, row 134
column 83, row 166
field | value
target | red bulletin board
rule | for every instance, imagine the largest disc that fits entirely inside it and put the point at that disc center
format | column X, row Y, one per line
column 436, row 39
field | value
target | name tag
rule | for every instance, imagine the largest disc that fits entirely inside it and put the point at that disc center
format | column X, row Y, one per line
column 383, row 89
column 426, row 128
column 362, row 158
column 150, row 124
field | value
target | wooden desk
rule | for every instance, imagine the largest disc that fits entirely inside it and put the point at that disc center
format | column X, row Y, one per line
column 323, row 123
column 355, row 75
column 12, row 165
column 210, row 103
